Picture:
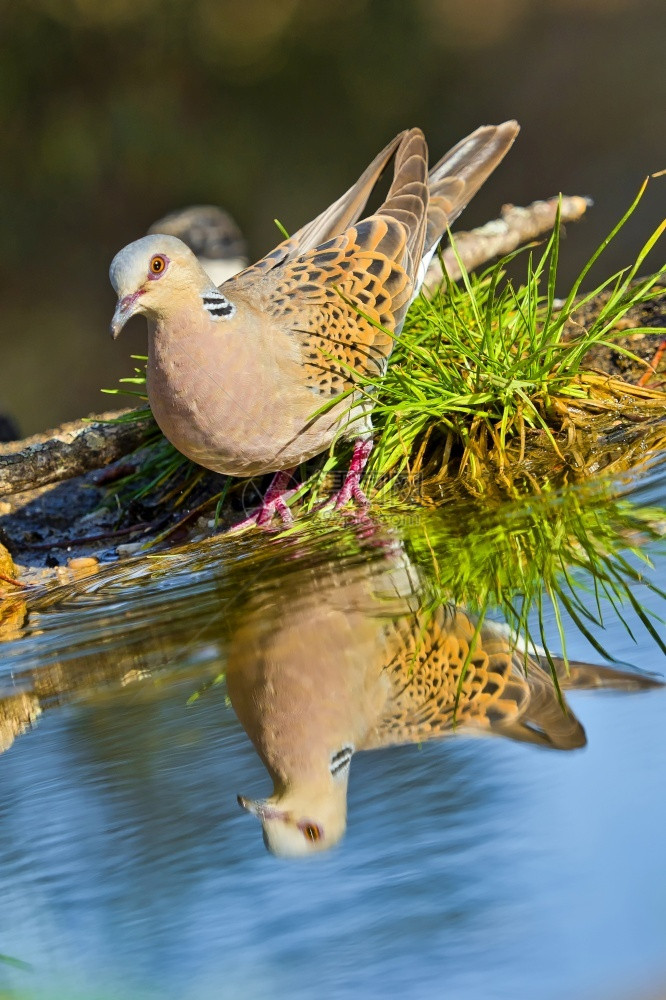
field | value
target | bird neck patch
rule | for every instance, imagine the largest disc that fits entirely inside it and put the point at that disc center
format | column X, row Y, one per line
column 217, row 306
column 341, row 760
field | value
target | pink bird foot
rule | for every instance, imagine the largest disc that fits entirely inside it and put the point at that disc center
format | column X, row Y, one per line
column 351, row 487
column 281, row 486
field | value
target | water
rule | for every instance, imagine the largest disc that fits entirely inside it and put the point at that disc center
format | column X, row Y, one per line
column 471, row 868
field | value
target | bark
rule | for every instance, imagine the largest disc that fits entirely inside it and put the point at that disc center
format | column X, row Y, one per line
column 68, row 451
column 501, row 236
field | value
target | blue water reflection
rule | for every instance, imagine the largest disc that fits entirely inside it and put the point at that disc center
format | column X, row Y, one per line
column 472, row 869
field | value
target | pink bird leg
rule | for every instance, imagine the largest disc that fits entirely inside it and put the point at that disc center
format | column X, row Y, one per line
column 273, row 503
column 351, row 486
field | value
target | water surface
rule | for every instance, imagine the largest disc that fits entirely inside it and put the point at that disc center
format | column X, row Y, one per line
column 471, row 868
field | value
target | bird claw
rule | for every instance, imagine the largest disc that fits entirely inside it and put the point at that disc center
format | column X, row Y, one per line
column 349, row 491
column 267, row 512
column 351, row 487
column 263, row 517
column 274, row 502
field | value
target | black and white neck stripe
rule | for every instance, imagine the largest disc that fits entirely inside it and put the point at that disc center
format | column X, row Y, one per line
column 341, row 760
column 217, row 306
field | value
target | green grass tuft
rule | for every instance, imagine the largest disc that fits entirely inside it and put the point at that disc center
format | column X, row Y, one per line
column 577, row 555
column 486, row 357
column 482, row 368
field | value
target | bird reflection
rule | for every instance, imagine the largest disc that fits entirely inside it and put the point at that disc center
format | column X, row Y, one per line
column 342, row 662
column 325, row 659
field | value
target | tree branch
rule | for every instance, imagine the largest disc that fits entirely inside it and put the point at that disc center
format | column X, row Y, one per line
column 501, row 236
column 70, row 450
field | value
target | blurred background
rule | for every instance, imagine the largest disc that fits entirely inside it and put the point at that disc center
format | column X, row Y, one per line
column 113, row 113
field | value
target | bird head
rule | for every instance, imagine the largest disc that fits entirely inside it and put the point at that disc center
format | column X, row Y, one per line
column 212, row 235
column 300, row 822
column 151, row 275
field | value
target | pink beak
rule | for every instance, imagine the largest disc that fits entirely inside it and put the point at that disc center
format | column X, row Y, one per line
column 261, row 809
column 127, row 307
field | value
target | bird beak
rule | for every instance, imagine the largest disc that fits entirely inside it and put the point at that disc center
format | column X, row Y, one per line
column 261, row 809
column 127, row 307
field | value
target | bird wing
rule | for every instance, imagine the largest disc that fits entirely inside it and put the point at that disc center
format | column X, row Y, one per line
column 431, row 668
column 345, row 300
column 455, row 179
column 338, row 217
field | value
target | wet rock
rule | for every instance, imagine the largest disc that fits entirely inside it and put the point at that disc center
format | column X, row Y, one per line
column 129, row 549
column 83, row 566
column 13, row 613
column 6, row 562
column 8, row 573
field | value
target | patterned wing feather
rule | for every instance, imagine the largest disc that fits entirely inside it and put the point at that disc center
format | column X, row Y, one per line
column 320, row 297
column 408, row 197
column 496, row 695
column 338, row 217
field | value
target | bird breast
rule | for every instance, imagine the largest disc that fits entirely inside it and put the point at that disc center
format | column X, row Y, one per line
column 230, row 394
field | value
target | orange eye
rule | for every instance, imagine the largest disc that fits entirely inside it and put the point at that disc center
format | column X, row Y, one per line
column 157, row 264
column 312, row 832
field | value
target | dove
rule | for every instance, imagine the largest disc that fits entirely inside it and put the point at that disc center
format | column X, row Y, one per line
column 341, row 661
column 262, row 373
column 212, row 235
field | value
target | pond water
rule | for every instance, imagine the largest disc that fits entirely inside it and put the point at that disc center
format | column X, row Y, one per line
column 470, row 868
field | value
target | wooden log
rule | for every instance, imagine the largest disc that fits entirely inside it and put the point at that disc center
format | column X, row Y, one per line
column 69, row 450
column 501, row 236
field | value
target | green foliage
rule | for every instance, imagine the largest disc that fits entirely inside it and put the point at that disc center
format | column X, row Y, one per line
column 483, row 359
column 487, row 355
column 576, row 555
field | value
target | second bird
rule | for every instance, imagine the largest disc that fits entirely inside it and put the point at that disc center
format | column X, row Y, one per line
column 263, row 372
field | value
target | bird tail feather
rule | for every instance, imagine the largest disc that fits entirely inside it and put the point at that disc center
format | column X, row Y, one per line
column 407, row 199
column 456, row 178
column 588, row 676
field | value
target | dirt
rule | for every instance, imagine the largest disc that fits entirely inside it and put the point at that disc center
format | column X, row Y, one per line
column 612, row 359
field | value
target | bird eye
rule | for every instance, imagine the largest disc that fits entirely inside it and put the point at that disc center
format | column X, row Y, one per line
column 312, row 832
column 158, row 264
